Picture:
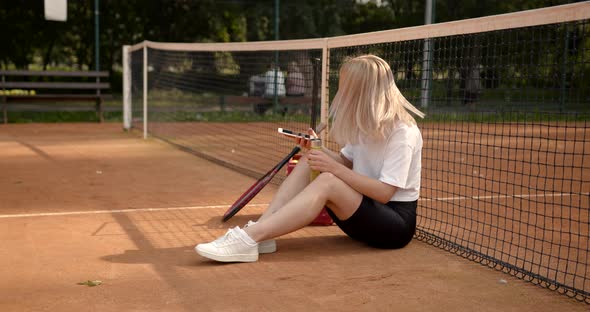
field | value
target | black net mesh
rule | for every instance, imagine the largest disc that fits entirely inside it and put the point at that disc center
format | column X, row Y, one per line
column 505, row 178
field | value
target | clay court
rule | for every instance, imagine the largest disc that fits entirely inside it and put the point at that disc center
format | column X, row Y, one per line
column 91, row 202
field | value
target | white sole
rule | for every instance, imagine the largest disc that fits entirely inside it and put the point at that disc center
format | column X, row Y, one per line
column 225, row 258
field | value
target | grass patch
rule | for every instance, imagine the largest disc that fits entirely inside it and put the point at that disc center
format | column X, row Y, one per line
column 217, row 116
column 62, row 116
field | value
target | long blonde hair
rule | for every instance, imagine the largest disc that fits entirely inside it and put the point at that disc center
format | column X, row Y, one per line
column 368, row 101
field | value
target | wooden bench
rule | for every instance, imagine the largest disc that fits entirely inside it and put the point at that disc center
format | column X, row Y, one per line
column 24, row 86
column 284, row 101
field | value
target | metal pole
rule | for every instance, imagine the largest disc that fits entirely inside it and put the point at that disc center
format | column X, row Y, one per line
column 276, row 69
column 314, row 91
column 97, row 58
column 96, row 35
column 324, row 95
column 126, row 88
column 277, row 3
column 145, row 92
column 563, row 84
column 427, row 56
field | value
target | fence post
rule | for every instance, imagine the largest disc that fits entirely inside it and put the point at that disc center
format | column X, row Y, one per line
column 126, row 88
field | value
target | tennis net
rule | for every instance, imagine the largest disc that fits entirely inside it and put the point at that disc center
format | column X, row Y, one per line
column 505, row 179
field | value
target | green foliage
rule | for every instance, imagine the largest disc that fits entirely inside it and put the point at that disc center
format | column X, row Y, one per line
column 42, row 44
column 71, row 44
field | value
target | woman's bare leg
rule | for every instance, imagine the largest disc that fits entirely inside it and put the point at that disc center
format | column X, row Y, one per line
column 305, row 206
column 293, row 184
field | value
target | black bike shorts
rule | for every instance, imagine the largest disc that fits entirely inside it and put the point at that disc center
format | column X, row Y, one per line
column 390, row 225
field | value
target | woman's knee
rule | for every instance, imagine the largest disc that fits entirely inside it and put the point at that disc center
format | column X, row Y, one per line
column 340, row 197
column 328, row 178
column 329, row 182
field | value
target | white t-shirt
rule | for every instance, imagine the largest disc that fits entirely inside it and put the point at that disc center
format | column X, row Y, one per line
column 396, row 161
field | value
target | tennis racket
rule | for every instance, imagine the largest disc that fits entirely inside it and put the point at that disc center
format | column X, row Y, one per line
column 262, row 182
column 258, row 186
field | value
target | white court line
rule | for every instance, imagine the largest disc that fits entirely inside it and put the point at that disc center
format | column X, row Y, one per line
column 69, row 213
column 505, row 196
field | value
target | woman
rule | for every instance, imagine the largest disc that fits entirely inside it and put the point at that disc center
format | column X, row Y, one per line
column 371, row 188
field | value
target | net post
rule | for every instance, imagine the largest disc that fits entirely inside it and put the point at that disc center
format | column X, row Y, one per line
column 563, row 78
column 275, row 98
column 4, row 105
column 426, row 73
column 324, row 90
column 316, row 82
column 126, row 88
column 427, row 57
column 145, row 93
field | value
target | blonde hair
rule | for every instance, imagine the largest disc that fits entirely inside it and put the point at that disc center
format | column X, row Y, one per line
column 368, row 102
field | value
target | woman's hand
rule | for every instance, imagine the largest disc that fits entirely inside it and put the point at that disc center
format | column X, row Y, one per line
column 322, row 162
column 305, row 143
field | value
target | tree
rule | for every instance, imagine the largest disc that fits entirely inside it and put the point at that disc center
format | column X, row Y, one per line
column 71, row 44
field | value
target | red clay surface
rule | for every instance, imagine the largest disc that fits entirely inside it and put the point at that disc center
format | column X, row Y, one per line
column 74, row 206
column 515, row 191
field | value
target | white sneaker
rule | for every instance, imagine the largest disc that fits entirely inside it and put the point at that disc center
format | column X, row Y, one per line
column 264, row 247
column 234, row 246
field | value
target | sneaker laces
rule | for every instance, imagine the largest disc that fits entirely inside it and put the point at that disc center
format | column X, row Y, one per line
column 222, row 239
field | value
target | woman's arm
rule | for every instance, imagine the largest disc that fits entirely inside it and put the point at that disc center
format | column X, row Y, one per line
column 338, row 157
column 306, row 144
column 324, row 162
column 375, row 189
